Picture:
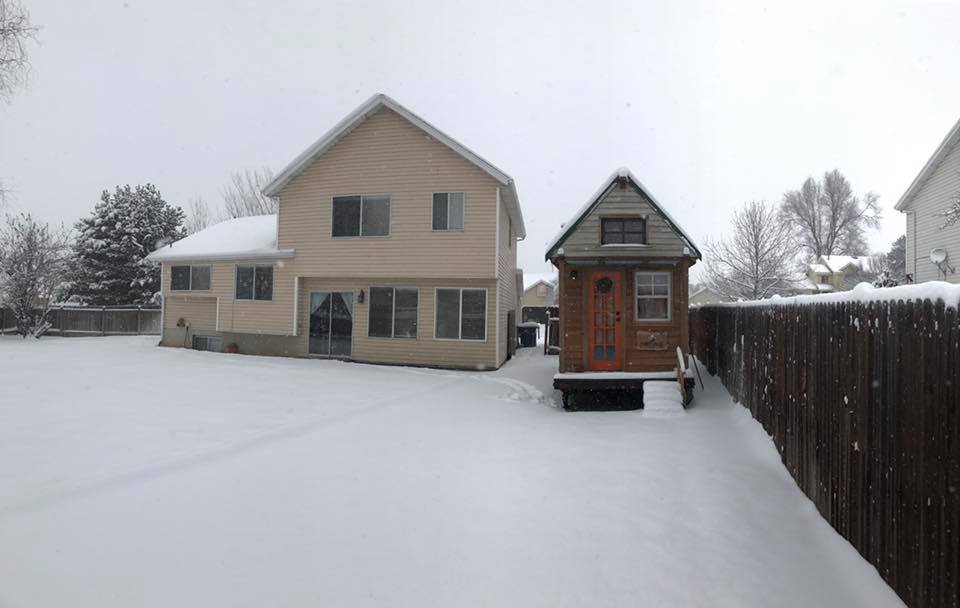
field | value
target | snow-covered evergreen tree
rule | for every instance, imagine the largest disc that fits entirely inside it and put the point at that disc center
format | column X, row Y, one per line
column 952, row 213
column 109, row 266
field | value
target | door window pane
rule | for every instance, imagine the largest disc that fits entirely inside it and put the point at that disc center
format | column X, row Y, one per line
column 474, row 322
column 346, row 216
column 180, row 278
column 263, row 286
column 375, row 216
column 381, row 312
column 448, row 313
column 320, row 323
column 244, row 283
column 341, row 323
column 405, row 313
column 199, row 277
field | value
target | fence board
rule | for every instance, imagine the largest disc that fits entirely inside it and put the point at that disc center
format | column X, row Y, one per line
column 863, row 403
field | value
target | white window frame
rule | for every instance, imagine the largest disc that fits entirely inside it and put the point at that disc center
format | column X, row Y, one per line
column 393, row 312
column 463, row 217
column 190, row 281
column 460, row 338
column 253, row 294
column 361, row 235
column 637, row 296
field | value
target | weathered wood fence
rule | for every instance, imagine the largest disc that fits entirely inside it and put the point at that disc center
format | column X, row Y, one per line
column 94, row 320
column 863, row 402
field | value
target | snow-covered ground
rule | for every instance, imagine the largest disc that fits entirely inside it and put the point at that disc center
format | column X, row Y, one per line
column 132, row 475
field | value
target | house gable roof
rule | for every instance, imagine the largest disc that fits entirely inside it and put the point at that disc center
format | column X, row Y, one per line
column 598, row 197
column 369, row 108
column 948, row 143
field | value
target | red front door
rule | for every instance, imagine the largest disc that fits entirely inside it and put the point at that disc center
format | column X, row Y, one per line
column 606, row 347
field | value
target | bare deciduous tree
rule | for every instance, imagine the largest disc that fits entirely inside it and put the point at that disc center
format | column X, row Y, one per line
column 951, row 214
column 15, row 31
column 827, row 218
column 33, row 261
column 244, row 196
column 198, row 215
column 758, row 259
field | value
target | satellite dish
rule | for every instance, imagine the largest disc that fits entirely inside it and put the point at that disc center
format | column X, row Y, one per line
column 938, row 255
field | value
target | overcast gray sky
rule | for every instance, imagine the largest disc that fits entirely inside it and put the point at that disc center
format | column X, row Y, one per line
column 709, row 103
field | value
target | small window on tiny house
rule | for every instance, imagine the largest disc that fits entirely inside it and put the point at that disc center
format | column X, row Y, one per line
column 254, row 282
column 448, row 211
column 623, row 231
column 652, row 296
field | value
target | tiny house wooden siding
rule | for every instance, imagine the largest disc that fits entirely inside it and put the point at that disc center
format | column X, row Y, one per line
column 863, row 403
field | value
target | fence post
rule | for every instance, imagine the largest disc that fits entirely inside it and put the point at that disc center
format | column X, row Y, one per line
column 103, row 317
column 139, row 309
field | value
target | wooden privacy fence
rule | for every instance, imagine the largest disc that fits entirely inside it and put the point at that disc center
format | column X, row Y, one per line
column 863, row 403
column 94, row 320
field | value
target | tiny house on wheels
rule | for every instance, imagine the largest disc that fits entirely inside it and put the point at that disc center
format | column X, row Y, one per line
column 623, row 264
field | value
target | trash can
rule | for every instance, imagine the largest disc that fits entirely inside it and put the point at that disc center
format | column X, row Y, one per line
column 527, row 334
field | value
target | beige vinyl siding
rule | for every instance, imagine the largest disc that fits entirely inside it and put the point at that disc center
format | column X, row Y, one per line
column 662, row 241
column 506, row 280
column 199, row 314
column 424, row 350
column 925, row 226
column 274, row 317
column 387, row 155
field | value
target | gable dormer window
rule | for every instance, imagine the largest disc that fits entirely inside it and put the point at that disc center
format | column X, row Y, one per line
column 361, row 215
column 448, row 211
column 623, row 231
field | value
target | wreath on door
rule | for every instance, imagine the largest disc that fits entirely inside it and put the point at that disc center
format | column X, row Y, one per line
column 604, row 285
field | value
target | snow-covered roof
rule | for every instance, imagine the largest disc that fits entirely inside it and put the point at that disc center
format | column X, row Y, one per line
column 240, row 238
column 529, row 280
column 934, row 291
column 819, row 268
column 594, row 200
column 839, row 263
column 951, row 140
column 367, row 109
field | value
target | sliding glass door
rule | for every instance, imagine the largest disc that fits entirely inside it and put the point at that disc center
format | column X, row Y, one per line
column 331, row 323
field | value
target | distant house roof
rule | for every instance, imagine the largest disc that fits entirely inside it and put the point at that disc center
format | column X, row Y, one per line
column 819, row 268
column 235, row 239
column 839, row 263
column 595, row 199
column 548, row 278
column 951, row 140
column 367, row 109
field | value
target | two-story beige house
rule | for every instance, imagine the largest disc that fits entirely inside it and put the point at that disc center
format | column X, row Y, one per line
column 932, row 247
column 838, row 273
column 393, row 243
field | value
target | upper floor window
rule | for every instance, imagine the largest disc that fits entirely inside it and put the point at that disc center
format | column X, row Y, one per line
column 623, row 231
column 542, row 291
column 254, row 282
column 448, row 211
column 190, row 278
column 361, row 215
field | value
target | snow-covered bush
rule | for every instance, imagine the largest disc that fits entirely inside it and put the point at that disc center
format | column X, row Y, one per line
column 32, row 266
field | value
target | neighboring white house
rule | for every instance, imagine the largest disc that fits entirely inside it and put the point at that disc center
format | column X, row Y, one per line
column 924, row 202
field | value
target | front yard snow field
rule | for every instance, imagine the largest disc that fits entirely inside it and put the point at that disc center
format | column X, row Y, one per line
column 133, row 475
